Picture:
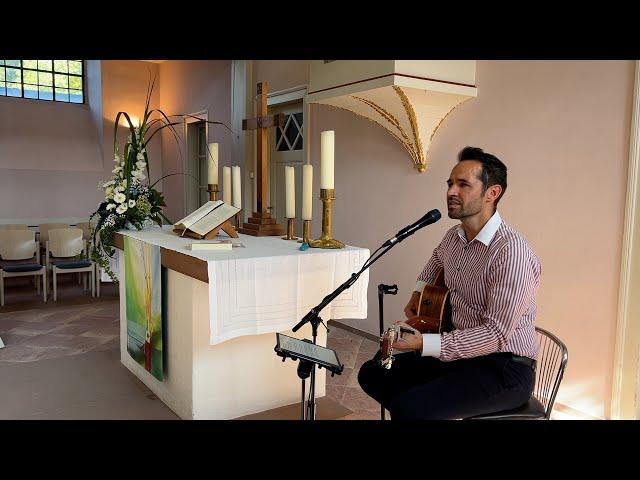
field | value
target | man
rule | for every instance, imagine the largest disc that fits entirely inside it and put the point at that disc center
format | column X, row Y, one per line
column 487, row 362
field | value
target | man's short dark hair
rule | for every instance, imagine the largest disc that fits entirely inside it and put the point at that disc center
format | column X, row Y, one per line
column 494, row 172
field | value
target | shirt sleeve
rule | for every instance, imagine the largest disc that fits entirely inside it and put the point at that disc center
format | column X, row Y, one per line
column 431, row 344
column 428, row 274
column 513, row 282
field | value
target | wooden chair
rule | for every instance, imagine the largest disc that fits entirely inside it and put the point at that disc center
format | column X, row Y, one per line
column 44, row 230
column 86, row 229
column 17, row 250
column 63, row 245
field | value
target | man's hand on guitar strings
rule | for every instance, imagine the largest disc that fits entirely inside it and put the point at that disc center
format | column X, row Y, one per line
column 411, row 341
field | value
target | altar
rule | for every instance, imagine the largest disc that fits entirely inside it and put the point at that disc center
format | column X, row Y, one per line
column 221, row 311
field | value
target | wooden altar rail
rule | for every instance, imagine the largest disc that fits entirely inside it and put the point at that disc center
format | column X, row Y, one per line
column 185, row 264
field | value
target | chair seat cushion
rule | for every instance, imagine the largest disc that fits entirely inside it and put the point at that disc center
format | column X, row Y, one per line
column 73, row 264
column 533, row 409
column 25, row 267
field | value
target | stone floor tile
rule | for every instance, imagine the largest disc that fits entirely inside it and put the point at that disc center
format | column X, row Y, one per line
column 354, row 399
column 72, row 329
column 18, row 353
column 336, row 392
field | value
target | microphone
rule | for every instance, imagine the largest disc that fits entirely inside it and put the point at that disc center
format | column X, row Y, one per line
column 431, row 217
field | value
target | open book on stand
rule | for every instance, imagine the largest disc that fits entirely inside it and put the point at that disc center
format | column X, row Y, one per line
column 207, row 221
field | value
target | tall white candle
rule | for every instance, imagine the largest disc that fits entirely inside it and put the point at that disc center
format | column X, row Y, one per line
column 213, row 164
column 290, row 184
column 237, row 186
column 226, row 185
column 326, row 159
column 307, row 190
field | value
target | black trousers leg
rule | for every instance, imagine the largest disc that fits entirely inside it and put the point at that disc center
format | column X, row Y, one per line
column 407, row 370
column 426, row 388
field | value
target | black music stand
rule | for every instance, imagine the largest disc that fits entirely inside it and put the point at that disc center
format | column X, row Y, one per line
column 309, row 354
column 391, row 290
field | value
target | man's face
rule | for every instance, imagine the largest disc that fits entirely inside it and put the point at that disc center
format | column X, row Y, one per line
column 464, row 195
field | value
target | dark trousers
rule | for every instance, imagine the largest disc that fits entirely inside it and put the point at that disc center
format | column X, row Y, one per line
column 426, row 388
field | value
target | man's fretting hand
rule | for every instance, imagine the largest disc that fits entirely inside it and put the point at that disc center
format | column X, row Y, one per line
column 411, row 310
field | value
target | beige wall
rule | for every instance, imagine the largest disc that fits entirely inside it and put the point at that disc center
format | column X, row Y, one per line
column 52, row 155
column 281, row 74
column 190, row 86
column 562, row 128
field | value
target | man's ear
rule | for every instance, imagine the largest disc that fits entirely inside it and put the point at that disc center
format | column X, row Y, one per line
column 493, row 192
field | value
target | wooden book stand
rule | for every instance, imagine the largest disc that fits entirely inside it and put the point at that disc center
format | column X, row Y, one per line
column 226, row 227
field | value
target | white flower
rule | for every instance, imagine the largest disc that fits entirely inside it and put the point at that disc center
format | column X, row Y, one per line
column 116, row 158
column 120, row 188
column 108, row 192
column 117, row 169
column 111, row 206
column 119, row 198
column 132, row 203
column 121, row 208
column 141, row 165
column 137, row 174
column 140, row 156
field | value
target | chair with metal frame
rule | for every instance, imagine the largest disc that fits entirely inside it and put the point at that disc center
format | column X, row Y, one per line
column 62, row 248
column 550, row 367
column 18, row 250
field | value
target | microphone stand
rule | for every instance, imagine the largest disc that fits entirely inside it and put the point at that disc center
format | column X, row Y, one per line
column 313, row 317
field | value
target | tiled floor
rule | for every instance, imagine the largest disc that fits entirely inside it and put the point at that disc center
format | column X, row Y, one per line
column 352, row 350
column 79, row 324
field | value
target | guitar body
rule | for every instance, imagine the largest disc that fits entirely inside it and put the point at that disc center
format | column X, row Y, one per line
column 434, row 316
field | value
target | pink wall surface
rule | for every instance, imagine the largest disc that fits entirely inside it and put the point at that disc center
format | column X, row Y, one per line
column 562, row 128
column 190, row 86
column 52, row 155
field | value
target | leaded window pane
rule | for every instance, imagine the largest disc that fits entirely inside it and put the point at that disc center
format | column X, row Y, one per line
column 59, row 80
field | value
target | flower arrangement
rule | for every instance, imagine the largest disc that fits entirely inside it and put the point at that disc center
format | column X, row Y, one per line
column 129, row 201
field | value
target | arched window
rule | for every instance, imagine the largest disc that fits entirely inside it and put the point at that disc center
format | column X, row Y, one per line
column 55, row 80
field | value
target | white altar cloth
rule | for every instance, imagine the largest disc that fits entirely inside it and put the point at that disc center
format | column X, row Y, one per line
column 269, row 285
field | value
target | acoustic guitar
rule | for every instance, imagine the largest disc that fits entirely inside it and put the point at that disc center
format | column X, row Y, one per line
column 433, row 316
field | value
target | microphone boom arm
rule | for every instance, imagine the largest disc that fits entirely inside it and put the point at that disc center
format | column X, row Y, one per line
column 315, row 311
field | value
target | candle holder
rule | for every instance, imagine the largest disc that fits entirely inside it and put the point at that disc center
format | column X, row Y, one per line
column 306, row 232
column 212, row 188
column 290, row 235
column 327, row 195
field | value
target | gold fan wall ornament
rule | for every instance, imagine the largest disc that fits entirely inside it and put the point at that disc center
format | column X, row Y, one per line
column 409, row 99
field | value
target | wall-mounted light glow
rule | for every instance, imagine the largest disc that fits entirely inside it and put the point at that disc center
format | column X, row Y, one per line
column 134, row 120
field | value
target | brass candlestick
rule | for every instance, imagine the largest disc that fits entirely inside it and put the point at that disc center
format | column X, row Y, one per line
column 327, row 195
column 306, row 232
column 212, row 188
column 290, row 235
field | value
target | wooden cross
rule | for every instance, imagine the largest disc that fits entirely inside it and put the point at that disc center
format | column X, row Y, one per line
column 260, row 223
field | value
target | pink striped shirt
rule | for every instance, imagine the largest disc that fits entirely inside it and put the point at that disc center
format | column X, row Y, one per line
column 493, row 281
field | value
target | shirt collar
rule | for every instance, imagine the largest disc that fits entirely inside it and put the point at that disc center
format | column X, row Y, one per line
column 488, row 231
